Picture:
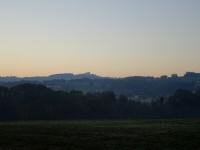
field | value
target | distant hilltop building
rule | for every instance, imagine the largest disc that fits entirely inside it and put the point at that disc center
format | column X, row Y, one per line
column 164, row 77
column 174, row 76
column 192, row 75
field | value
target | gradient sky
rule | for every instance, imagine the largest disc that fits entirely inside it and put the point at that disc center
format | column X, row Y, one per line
column 106, row 37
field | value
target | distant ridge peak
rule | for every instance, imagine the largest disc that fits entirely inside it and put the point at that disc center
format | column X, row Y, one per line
column 91, row 76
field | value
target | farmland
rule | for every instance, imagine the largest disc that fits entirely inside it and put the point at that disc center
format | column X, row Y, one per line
column 101, row 135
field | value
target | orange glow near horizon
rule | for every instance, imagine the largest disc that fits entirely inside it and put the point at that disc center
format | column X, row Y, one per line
column 108, row 38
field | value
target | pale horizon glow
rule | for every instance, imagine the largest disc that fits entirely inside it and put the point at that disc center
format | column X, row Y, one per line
column 115, row 38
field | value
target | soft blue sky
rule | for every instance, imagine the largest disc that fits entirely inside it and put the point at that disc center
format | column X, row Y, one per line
column 107, row 37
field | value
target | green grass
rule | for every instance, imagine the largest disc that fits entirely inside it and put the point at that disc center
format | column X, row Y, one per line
column 101, row 135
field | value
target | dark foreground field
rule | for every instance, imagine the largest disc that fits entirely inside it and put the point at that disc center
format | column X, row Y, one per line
column 102, row 135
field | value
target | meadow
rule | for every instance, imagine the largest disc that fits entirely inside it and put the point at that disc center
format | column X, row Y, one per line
column 174, row 134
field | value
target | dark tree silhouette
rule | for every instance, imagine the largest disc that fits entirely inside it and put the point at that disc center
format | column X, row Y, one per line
column 37, row 102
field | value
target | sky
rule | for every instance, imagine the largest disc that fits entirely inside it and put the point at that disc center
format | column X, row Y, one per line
column 106, row 37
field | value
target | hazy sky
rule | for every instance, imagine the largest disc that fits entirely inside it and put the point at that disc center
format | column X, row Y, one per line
column 107, row 37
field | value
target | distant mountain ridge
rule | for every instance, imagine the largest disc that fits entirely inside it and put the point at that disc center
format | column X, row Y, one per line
column 89, row 75
column 133, row 86
column 71, row 76
column 62, row 76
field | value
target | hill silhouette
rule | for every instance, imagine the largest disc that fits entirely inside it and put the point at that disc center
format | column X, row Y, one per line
column 135, row 86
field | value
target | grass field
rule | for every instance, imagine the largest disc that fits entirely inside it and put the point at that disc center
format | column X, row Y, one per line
column 101, row 135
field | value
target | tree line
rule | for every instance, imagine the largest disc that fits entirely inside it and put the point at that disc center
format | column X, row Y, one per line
column 37, row 102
